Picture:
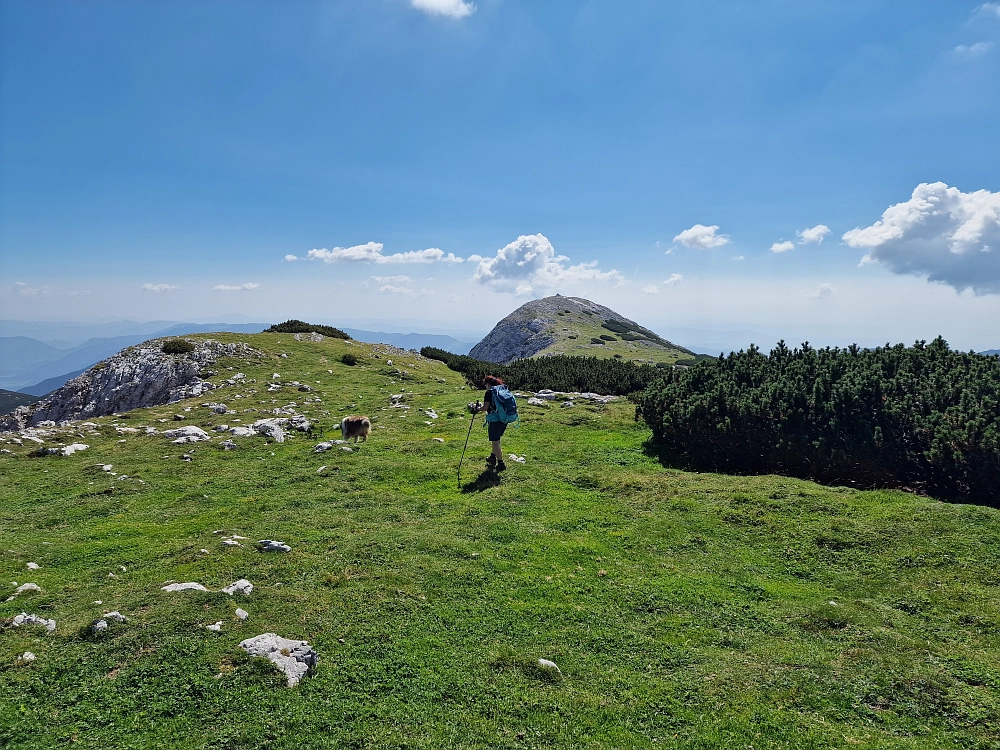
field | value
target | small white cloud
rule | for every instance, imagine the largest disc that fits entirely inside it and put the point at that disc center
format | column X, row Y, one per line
column 650, row 289
column 159, row 287
column 992, row 9
column 973, row 50
column 738, row 257
column 449, row 8
column 941, row 233
column 291, row 258
column 530, row 262
column 391, row 289
column 29, row 291
column 701, row 237
column 823, row 290
column 235, row 288
column 371, row 252
column 782, row 247
column 813, row 236
column 395, row 279
column 674, row 280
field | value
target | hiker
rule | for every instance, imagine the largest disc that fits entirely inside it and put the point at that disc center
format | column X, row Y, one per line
column 501, row 410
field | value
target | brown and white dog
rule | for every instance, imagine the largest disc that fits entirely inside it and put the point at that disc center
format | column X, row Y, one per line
column 355, row 427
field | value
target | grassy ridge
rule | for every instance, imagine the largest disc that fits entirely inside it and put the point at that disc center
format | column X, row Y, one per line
column 686, row 610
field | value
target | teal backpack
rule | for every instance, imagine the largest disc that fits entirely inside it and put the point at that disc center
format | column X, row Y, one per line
column 504, row 405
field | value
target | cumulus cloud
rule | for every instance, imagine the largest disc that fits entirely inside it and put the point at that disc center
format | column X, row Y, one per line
column 814, row 235
column 449, row 8
column 674, row 280
column 395, row 279
column 973, row 50
column 701, row 237
column 782, row 247
column 291, row 258
column 530, row 263
column 159, row 287
column 235, row 288
column 823, row 290
column 992, row 9
column 371, row 252
column 650, row 289
column 32, row 291
column 942, row 233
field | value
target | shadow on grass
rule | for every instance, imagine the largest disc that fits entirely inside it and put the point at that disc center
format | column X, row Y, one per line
column 483, row 482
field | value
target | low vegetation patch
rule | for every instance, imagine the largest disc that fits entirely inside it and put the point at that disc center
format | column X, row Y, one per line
column 177, row 346
column 298, row 326
column 923, row 417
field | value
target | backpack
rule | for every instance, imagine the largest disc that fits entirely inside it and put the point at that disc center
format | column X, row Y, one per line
column 504, row 405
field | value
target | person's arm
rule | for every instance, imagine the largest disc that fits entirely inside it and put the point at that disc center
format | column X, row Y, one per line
column 488, row 400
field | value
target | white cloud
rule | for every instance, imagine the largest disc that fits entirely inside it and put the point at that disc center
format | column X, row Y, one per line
column 973, row 50
column 813, row 236
column 650, row 289
column 701, row 237
column 291, row 258
column 371, row 252
column 738, row 257
column 530, row 262
column 989, row 8
column 449, row 8
column 28, row 291
column 674, row 280
column 396, row 279
column 390, row 289
column 474, row 258
column 237, row 288
column 159, row 287
column 782, row 247
column 823, row 290
column 941, row 233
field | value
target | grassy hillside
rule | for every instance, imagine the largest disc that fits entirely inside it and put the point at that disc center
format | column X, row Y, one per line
column 10, row 400
column 575, row 333
column 685, row 610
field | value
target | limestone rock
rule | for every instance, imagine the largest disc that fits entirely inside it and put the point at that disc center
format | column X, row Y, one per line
column 271, row 545
column 25, row 619
column 550, row 666
column 69, row 450
column 567, row 404
column 227, row 445
column 241, row 432
column 215, row 627
column 294, row 658
column 33, row 566
column 24, row 587
column 26, row 658
column 189, row 434
column 191, row 586
column 324, row 446
column 242, row 613
column 537, row 402
column 242, row 586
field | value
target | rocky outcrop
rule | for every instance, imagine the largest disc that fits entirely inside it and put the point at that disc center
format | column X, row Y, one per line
column 135, row 377
column 531, row 328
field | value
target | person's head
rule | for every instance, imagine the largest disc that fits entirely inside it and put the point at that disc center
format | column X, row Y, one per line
column 490, row 380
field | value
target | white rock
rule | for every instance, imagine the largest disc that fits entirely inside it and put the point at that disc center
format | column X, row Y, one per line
column 23, row 588
column 26, row 658
column 215, row 627
column 184, row 587
column 98, row 625
column 115, row 616
column 242, row 586
column 204, row 551
column 537, row 402
column 438, row 440
column 230, row 543
column 324, row 446
column 97, row 601
column 271, row 545
column 219, row 408
column 241, row 432
column 227, row 445
column 33, row 566
column 347, row 448
column 294, row 658
column 189, row 431
column 107, row 467
column 237, row 536
column 431, row 413
column 25, row 619
column 271, row 428
column 546, row 394
column 550, row 666
column 69, row 450
column 567, row 404
column 242, row 613
column 221, row 428
column 320, row 469
column 517, row 459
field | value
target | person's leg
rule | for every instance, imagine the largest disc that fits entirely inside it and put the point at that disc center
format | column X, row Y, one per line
column 497, row 453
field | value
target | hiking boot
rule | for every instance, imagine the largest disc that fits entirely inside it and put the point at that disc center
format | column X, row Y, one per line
column 491, row 461
column 501, row 466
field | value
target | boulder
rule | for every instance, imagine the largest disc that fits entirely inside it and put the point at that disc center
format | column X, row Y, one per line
column 295, row 658
column 191, row 586
column 242, row 431
column 189, row 434
column 242, row 586
column 227, row 445
column 272, row 545
column 69, row 450
column 242, row 613
column 537, row 402
column 25, row 619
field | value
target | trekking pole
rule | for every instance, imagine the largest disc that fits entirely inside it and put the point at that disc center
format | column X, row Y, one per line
column 471, row 422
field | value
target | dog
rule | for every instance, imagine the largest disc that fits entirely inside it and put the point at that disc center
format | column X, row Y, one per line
column 355, row 427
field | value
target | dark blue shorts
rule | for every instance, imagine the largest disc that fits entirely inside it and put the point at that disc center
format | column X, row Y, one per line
column 495, row 430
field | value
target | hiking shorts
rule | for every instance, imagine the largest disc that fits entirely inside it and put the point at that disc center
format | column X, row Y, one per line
column 495, row 430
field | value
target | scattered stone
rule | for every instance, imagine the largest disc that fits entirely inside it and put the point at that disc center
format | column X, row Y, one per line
column 215, row 627
column 347, row 448
column 25, row 619
column 431, row 413
column 567, row 404
column 23, row 588
column 550, row 666
column 183, row 587
column 98, row 601
column 243, row 586
column 320, row 469
column 69, row 450
column 295, row 658
column 99, row 626
column 546, row 394
column 189, row 434
column 237, row 536
column 106, row 467
column 438, row 440
column 537, row 402
column 219, row 408
column 227, row 445
column 516, row 458
column 242, row 432
column 187, row 457
column 26, row 658
column 242, row 613
column 271, row 545
column 115, row 616
column 33, row 566
column 178, row 417
column 204, row 551
column 271, row 428
column 231, row 543
column 324, row 446
column 221, row 428
column 305, row 389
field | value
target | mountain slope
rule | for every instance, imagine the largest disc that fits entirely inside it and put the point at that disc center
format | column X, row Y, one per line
column 696, row 610
column 573, row 326
column 10, row 400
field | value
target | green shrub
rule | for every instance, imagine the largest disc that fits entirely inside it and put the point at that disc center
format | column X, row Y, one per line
column 349, row 359
column 177, row 346
column 606, row 337
column 596, row 340
column 922, row 417
column 561, row 373
column 297, row 326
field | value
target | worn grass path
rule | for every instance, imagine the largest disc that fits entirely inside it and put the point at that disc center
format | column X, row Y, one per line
column 685, row 610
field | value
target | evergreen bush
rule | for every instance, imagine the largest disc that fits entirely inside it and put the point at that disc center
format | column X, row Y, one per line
column 298, row 326
column 177, row 346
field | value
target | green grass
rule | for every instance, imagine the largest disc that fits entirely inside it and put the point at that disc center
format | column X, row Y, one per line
column 575, row 332
column 684, row 610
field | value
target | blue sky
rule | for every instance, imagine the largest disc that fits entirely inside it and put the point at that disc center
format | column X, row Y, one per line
column 162, row 159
